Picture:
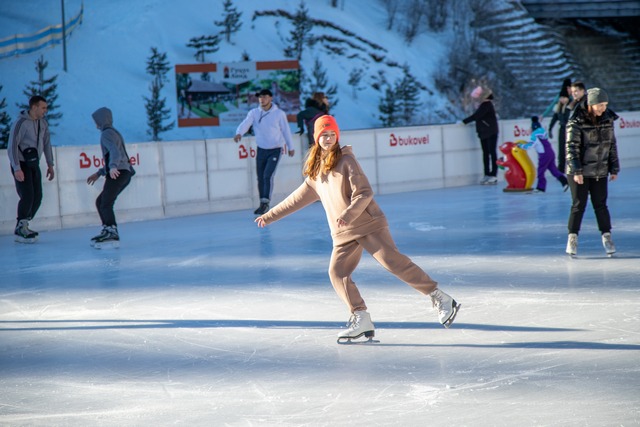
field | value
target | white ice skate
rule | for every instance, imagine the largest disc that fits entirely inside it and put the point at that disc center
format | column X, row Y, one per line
column 447, row 307
column 109, row 238
column 572, row 244
column 23, row 234
column 609, row 247
column 359, row 324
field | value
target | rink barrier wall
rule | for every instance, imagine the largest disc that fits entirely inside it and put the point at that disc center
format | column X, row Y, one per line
column 181, row 178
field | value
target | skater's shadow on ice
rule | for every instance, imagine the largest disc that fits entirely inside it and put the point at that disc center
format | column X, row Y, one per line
column 106, row 324
column 116, row 324
column 558, row 345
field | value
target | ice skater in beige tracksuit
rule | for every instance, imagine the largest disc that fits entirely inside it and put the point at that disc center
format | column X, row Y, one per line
column 334, row 176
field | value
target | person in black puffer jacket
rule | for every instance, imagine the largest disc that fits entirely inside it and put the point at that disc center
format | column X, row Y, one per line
column 592, row 157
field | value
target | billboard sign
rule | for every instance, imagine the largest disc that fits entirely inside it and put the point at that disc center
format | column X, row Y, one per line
column 221, row 94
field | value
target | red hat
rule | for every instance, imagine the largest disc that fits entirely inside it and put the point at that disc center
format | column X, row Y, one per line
column 324, row 123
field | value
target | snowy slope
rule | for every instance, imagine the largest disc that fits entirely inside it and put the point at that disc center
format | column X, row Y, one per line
column 107, row 56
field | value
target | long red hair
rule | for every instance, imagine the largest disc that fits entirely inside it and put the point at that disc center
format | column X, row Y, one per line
column 319, row 160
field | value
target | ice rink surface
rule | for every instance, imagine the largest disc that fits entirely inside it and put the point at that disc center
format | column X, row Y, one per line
column 210, row 321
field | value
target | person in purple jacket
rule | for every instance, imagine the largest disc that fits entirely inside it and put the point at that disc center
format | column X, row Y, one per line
column 546, row 157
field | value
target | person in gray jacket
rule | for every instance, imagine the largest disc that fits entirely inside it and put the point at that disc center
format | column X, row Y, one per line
column 28, row 140
column 117, row 171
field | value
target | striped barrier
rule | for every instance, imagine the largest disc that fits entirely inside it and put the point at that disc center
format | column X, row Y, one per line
column 20, row 44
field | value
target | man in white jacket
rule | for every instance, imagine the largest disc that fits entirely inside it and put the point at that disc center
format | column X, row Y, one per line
column 271, row 129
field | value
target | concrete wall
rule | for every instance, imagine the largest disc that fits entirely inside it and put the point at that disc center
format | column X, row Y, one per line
column 182, row 178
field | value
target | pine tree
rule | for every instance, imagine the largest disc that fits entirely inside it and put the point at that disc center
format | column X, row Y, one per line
column 408, row 94
column 388, row 108
column 5, row 123
column 157, row 113
column 300, row 35
column 231, row 22
column 157, row 110
column 320, row 83
column 158, row 66
column 204, row 45
column 46, row 88
column 355, row 77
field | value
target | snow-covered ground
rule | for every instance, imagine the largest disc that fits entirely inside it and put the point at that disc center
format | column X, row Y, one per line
column 210, row 321
column 107, row 57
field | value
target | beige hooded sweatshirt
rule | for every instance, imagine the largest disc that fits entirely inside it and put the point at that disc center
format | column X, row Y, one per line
column 345, row 193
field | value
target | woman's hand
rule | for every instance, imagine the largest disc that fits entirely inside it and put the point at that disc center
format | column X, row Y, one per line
column 260, row 222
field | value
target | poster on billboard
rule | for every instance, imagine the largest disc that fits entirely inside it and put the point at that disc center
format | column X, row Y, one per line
column 221, row 94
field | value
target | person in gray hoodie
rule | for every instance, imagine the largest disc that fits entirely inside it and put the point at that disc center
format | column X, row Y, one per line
column 117, row 171
column 28, row 140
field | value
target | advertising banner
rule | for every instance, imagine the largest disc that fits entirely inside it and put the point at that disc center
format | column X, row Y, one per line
column 221, row 94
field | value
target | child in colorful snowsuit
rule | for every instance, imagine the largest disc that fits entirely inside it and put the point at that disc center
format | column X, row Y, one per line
column 334, row 176
column 546, row 157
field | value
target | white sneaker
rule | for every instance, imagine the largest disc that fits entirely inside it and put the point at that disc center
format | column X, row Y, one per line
column 572, row 244
column 447, row 307
column 609, row 247
column 491, row 180
column 359, row 324
column 484, row 180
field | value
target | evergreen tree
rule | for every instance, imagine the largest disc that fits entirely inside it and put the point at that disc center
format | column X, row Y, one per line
column 408, row 94
column 5, row 123
column 355, row 77
column 320, row 83
column 158, row 66
column 45, row 88
column 157, row 113
column 157, row 110
column 204, row 45
column 231, row 22
column 388, row 107
column 300, row 35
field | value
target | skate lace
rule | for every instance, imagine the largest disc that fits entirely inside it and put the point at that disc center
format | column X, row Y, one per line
column 436, row 301
column 608, row 242
column 353, row 322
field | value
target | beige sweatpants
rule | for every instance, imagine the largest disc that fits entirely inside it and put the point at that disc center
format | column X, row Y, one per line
column 345, row 259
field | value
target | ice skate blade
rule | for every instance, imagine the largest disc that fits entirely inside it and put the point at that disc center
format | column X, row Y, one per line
column 26, row 240
column 351, row 341
column 105, row 245
column 449, row 321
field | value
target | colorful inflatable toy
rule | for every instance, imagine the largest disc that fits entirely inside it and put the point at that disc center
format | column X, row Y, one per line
column 520, row 173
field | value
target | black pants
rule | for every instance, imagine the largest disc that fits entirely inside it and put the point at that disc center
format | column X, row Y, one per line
column 105, row 201
column 489, row 155
column 29, row 191
column 266, row 163
column 598, row 190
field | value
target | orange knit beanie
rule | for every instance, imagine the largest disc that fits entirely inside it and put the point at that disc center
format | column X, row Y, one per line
column 324, row 123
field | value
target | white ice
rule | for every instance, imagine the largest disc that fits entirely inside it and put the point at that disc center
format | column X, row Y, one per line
column 210, row 321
